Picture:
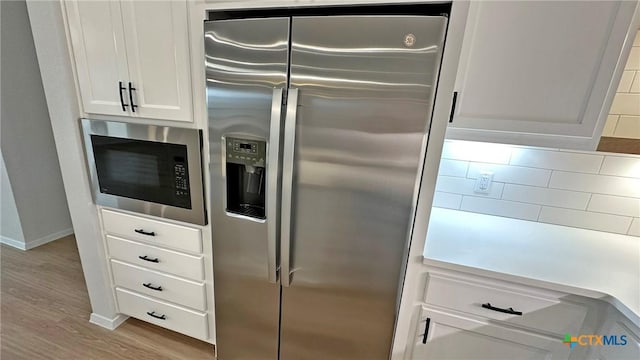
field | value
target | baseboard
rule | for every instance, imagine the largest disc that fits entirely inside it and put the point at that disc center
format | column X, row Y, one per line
column 13, row 242
column 37, row 242
column 48, row 238
column 105, row 322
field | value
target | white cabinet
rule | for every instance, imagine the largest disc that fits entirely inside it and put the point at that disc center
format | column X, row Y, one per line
column 163, row 314
column 469, row 317
column 132, row 57
column 442, row 335
column 157, row 272
column 623, row 338
column 540, row 73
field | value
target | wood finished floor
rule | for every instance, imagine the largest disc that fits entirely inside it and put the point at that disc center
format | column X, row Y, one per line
column 45, row 314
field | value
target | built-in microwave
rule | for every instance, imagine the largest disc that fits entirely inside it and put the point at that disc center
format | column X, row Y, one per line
column 155, row 170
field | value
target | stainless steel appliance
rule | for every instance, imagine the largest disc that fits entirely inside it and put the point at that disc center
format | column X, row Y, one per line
column 156, row 170
column 317, row 127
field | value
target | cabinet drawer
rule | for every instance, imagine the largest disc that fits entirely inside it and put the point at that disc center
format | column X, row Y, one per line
column 189, row 322
column 441, row 335
column 538, row 312
column 168, row 261
column 152, row 231
column 170, row 288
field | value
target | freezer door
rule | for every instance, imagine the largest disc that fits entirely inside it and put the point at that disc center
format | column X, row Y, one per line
column 246, row 70
column 365, row 93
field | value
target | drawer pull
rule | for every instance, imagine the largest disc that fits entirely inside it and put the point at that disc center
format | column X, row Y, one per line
column 141, row 231
column 153, row 314
column 149, row 286
column 145, row 258
column 426, row 330
column 506, row 311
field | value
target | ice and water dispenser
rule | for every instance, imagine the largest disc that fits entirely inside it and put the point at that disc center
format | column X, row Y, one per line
column 245, row 171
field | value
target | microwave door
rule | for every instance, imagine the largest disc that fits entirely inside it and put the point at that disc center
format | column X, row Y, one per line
column 142, row 170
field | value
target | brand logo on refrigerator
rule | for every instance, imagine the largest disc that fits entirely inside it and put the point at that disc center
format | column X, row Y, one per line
column 409, row 40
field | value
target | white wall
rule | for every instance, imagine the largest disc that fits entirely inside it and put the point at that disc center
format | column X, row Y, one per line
column 590, row 190
column 50, row 40
column 10, row 227
column 624, row 117
column 26, row 139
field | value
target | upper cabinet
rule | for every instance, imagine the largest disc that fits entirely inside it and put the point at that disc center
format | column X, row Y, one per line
column 540, row 73
column 132, row 57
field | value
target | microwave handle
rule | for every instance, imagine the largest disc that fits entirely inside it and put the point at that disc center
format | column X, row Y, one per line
column 273, row 180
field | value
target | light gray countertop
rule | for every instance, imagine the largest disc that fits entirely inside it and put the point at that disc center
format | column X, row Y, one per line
column 590, row 263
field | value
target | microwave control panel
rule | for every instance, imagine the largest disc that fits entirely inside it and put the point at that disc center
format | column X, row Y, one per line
column 181, row 184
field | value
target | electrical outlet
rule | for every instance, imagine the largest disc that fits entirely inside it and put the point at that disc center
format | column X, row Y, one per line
column 483, row 183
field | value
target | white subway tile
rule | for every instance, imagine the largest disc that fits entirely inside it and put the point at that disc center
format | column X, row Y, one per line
column 621, row 166
column 625, row 81
column 476, row 151
column 633, row 62
column 585, row 220
column 546, row 196
column 447, row 200
column 556, row 160
column 511, row 174
column 635, row 86
column 504, row 208
column 625, row 104
column 628, row 127
column 465, row 186
column 615, row 205
column 610, row 125
column 635, row 227
column 600, row 184
column 450, row 167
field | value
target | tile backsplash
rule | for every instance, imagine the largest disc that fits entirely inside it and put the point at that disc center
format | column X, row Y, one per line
column 624, row 116
column 590, row 190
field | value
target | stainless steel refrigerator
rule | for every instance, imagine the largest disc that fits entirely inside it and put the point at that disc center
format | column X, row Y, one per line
column 317, row 127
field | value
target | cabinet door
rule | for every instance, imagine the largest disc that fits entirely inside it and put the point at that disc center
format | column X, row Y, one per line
column 624, row 339
column 451, row 336
column 538, row 73
column 99, row 52
column 157, row 44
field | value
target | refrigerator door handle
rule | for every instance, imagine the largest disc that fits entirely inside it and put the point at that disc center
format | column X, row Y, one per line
column 287, row 185
column 273, row 172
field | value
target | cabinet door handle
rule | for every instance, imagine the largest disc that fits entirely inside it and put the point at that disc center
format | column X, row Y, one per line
column 148, row 233
column 120, row 90
column 506, row 311
column 145, row 258
column 149, row 286
column 153, row 314
column 131, row 90
column 453, row 106
column 426, row 330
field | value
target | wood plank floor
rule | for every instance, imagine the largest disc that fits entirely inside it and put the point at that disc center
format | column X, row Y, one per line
column 45, row 314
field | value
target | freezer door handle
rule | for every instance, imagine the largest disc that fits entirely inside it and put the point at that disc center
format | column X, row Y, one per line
column 273, row 171
column 287, row 185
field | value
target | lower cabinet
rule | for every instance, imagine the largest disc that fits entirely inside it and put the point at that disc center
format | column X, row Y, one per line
column 170, row 316
column 443, row 335
column 157, row 272
column 466, row 316
column 623, row 338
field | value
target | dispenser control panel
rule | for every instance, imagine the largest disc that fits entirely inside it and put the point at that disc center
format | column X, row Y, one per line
column 246, row 152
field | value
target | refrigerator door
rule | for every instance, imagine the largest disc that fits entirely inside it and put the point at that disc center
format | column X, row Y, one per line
column 366, row 86
column 246, row 70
